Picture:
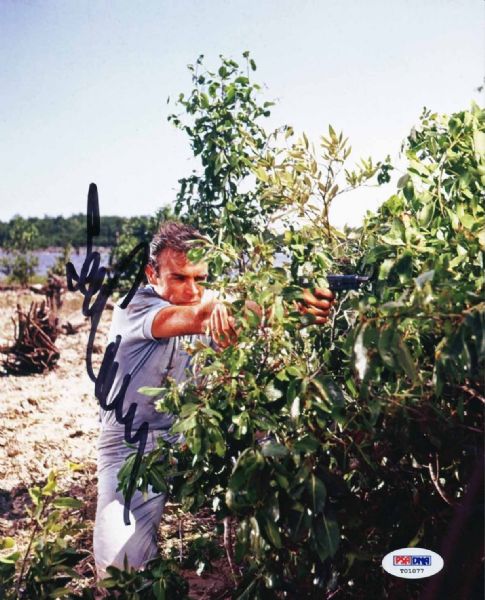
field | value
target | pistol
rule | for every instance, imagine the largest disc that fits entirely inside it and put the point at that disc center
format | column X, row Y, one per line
column 343, row 283
column 338, row 283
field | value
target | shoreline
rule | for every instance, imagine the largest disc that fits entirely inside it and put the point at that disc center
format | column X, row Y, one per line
column 48, row 257
column 56, row 249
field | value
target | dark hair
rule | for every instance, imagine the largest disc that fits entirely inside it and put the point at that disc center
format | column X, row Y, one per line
column 174, row 236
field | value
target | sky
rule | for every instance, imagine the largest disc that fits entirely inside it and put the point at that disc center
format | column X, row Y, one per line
column 84, row 86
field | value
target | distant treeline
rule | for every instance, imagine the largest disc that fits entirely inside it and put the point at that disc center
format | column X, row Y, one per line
column 60, row 231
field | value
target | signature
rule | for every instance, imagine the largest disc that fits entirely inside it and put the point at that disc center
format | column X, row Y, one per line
column 96, row 284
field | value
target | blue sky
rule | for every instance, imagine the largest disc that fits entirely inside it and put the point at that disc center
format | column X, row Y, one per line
column 84, row 86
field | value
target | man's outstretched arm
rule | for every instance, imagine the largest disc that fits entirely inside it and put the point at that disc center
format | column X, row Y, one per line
column 212, row 316
column 188, row 319
column 191, row 319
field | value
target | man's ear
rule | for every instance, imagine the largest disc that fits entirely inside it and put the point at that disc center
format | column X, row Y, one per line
column 151, row 275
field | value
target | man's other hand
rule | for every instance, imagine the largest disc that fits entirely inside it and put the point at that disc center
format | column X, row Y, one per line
column 317, row 303
column 222, row 327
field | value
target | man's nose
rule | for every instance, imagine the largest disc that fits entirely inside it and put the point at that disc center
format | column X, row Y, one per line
column 193, row 287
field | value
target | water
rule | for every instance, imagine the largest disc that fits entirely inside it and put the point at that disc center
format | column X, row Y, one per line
column 48, row 257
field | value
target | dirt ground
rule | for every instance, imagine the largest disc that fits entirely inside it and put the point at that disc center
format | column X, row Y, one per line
column 50, row 420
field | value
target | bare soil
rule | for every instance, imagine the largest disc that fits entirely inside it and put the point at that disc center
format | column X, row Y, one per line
column 51, row 420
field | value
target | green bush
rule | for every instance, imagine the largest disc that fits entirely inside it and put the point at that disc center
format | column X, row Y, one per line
column 19, row 264
column 46, row 568
column 375, row 421
column 159, row 580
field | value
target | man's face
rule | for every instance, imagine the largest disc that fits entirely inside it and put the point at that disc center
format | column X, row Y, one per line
column 178, row 280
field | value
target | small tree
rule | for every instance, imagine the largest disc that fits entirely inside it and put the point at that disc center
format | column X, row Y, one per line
column 58, row 269
column 20, row 264
column 222, row 118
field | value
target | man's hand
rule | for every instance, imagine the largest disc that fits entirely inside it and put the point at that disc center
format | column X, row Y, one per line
column 319, row 303
column 222, row 326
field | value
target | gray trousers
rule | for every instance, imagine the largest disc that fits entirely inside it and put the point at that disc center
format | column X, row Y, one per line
column 113, row 540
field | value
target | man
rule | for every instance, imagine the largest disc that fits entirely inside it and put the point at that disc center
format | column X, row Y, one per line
column 173, row 308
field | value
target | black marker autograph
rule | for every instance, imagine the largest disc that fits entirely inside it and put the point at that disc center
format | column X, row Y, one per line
column 95, row 280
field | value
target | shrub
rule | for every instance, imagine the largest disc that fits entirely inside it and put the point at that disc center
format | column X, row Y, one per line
column 46, row 568
column 19, row 264
column 375, row 421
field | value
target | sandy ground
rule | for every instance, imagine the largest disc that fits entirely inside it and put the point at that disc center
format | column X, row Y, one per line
column 51, row 419
column 47, row 419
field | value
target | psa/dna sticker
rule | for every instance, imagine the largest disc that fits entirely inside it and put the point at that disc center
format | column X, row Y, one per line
column 412, row 563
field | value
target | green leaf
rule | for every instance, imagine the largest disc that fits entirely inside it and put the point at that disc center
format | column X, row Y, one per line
column 361, row 359
column 272, row 533
column 230, row 93
column 158, row 589
column 35, row 495
column 401, row 182
column 408, row 190
column 6, row 543
column 10, row 559
column 108, row 582
column 66, row 502
column 306, row 444
column 405, row 359
column 333, row 392
column 156, row 478
column 333, row 535
column 262, row 174
column 479, row 144
column 127, row 467
column 292, row 293
column 150, row 391
column 425, row 215
column 328, row 391
column 318, row 493
column 392, row 241
column 281, row 375
column 386, row 347
column 60, row 592
column 404, row 267
column 195, row 255
column 50, row 486
column 204, row 100
column 294, row 371
column 274, row 450
column 184, row 425
column 468, row 221
column 385, row 269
